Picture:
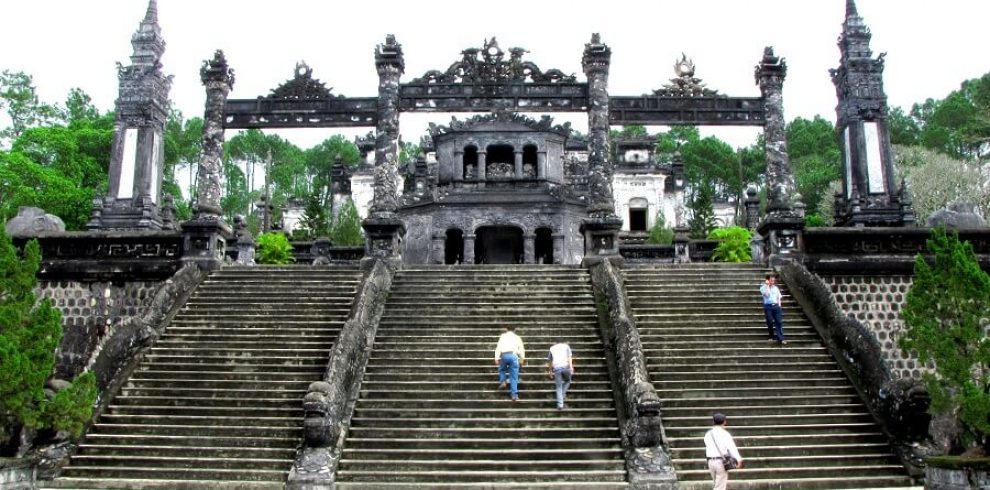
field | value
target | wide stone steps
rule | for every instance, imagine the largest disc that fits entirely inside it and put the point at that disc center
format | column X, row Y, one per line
column 216, row 402
column 796, row 418
column 430, row 414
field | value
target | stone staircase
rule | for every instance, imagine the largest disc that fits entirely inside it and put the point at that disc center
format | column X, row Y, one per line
column 217, row 401
column 430, row 414
column 796, row 418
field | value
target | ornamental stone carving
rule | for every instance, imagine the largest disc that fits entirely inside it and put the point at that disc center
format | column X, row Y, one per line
column 488, row 65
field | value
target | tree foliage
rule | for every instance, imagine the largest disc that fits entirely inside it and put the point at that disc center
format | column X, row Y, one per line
column 661, row 234
column 936, row 180
column 815, row 159
column 733, row 244
column 702, row 208
column 30, row 330
column 20, row 101
column 346, row 229
column 946, row 323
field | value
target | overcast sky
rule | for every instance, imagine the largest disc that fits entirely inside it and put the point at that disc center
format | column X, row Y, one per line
column 931, row 46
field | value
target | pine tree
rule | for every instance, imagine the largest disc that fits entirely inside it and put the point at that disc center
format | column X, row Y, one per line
column 346, row 229
column 946, row 323
column 30, row 330
column 702, row 212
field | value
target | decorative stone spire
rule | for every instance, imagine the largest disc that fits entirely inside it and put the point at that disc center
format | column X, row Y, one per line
column 138, row 151
column 869, row 194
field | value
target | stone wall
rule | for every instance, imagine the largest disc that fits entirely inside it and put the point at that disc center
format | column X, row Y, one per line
column 876, row 301
column 956, row 479
column 17, row 474
column 88, row 309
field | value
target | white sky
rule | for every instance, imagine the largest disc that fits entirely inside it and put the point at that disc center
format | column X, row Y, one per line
column 932, row 46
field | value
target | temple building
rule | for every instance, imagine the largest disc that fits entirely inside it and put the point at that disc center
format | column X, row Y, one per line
column 503, row 188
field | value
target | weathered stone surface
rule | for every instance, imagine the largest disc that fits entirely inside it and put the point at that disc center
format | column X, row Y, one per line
column 31, row 221
column 17, row 473
column 900, row 405
column 642, row 428
column 956, row 479
column 957, row 215
column 330, row 404
column 218, row 79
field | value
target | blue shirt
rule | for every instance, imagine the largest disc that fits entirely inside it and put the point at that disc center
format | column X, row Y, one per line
column 771, row 294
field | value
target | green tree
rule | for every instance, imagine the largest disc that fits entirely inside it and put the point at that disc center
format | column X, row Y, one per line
column 30, row 330
column 26, row 183
column 702, row 208
column 183, row 141
column 815, row 158
column 346, row 229
column 945, row 318
column 661, row 234
column 20, row 100
column 320, row 160
column 315, row 219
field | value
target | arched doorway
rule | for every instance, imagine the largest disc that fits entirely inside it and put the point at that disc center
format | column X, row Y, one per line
column 498, row 245
column 543, row 246
column 453, row 248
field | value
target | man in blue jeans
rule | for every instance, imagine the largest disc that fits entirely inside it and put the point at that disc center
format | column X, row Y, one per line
column 771, row 309
column 509, row 355
column 560, row 360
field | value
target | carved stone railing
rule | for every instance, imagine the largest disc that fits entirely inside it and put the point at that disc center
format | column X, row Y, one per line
column 108, row 256
column 878, row 250
column 899, row 404
column 307, row 252
column 648, row 253
column 642, row 431
column 120, row 349
column 329, row 404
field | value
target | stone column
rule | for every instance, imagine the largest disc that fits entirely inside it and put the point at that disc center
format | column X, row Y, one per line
column 519, row 165
column 438, row 249
column 206, row 234
column 558, row 249
column 529, row 249
column 602, row 225
column 458, row 165
column 482, row 166
column 468, row 249
column 383, row 227
column 782, row 226
column 541, row 165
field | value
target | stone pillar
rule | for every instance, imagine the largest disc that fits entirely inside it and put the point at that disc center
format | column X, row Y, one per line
column 519, row 165
column 482, row 166
column 468, row 249
column 206, row 234
column 458, row 166
column 558, row 249
column 601, row 228
column 752, row 205
column 782, row 226
column 137, row 155
column 529, row 249
column 541, row 165
column 438, row 247
column 383, row 228
column 864, row 135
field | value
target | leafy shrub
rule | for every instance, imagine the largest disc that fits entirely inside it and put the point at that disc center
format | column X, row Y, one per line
column 274, row 248
column 814, row 221
column 946, row 319
column 346, row 228
column 733, row 244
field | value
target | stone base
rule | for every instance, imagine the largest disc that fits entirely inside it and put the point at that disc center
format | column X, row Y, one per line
column 205, row 241
column 782, row 237
column 384, row 236
column 125, row 214
column 958, row 476
column 601, row 238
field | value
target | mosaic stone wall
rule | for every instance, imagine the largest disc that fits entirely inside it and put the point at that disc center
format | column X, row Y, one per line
column 876, row 302
column 88, row 308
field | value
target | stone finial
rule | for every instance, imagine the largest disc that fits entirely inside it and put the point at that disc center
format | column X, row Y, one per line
column 390, row 54
column 851, row 9
column 151, row 16
column 597, row 55
column 216, row 70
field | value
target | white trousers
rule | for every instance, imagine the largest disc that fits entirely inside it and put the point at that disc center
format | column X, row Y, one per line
column 720, row 477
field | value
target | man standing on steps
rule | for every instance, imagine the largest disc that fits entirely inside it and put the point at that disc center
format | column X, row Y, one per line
column 718, row 442
column 771, row 309
column 509, row 355
column 560, row 361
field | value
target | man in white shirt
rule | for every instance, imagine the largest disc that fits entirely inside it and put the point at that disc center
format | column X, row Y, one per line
column 509, row 355
column 718, row 442
column 560, row 360
column 771, row 309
